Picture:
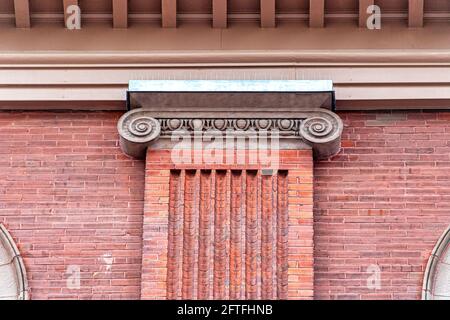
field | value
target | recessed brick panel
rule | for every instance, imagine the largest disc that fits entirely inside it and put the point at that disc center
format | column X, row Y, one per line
column 232, row 232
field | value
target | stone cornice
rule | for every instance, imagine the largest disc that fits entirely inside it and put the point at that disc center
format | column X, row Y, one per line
column 418, row 79
column 318, row 129
column 48, row 67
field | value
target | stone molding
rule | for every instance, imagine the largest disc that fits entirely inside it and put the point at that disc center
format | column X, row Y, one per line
column 315, row 128
column 15, row 285
column 97, row 80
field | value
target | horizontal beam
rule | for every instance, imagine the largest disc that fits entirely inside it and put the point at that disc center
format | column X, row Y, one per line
column 22, row 13
column 316, row 13
column 415, row 13
column 274, row 41
column 220, row 12
column 120, row 14
column 260, row 58
column 169, row 13
column 120, row 105
column 267, row 13
column 120, row 75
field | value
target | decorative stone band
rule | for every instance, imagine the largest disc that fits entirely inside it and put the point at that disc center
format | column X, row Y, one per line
column 318, row 129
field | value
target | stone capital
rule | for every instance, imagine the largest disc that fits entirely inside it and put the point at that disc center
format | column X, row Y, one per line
column 315, row 128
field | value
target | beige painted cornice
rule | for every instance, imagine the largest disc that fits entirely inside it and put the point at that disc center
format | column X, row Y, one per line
column 363, row 79
column 229, row 58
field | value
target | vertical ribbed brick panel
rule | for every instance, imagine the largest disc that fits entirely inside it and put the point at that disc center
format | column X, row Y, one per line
column 205, row 236
column 209, row 239
column 189, row 234
column 175, row 236
column 236, row 232
column 282, row 235
column 251, row 239
column 267, row 237
column 220, row 236
column 228, row 232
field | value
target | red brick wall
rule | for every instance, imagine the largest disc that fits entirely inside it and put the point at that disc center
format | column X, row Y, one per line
column 384, row 200
column 69, row 197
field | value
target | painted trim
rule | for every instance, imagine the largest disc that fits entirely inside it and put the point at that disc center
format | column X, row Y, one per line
column 418, row 79
column 228, row 58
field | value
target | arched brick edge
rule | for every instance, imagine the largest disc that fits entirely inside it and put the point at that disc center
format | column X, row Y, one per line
column 17, row 263
column 432, row 266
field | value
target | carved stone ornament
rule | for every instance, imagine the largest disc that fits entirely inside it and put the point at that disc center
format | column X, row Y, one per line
column 319, row 129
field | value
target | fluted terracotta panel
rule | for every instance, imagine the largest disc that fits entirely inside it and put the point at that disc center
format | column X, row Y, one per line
column 282, row 235
column 175, row 242
column 236, row 246
column 228, row 235
column 220, row 236
column 251, row 245
column 267, row 238
column 205, row 236
column 191, row 202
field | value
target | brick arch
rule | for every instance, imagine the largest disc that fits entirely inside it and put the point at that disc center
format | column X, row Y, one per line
column 436, row 285
column 13, row 280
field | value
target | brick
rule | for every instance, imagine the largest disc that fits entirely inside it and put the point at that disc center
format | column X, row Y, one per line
column 383, row 200
column 57, row 209
column 402, row 240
